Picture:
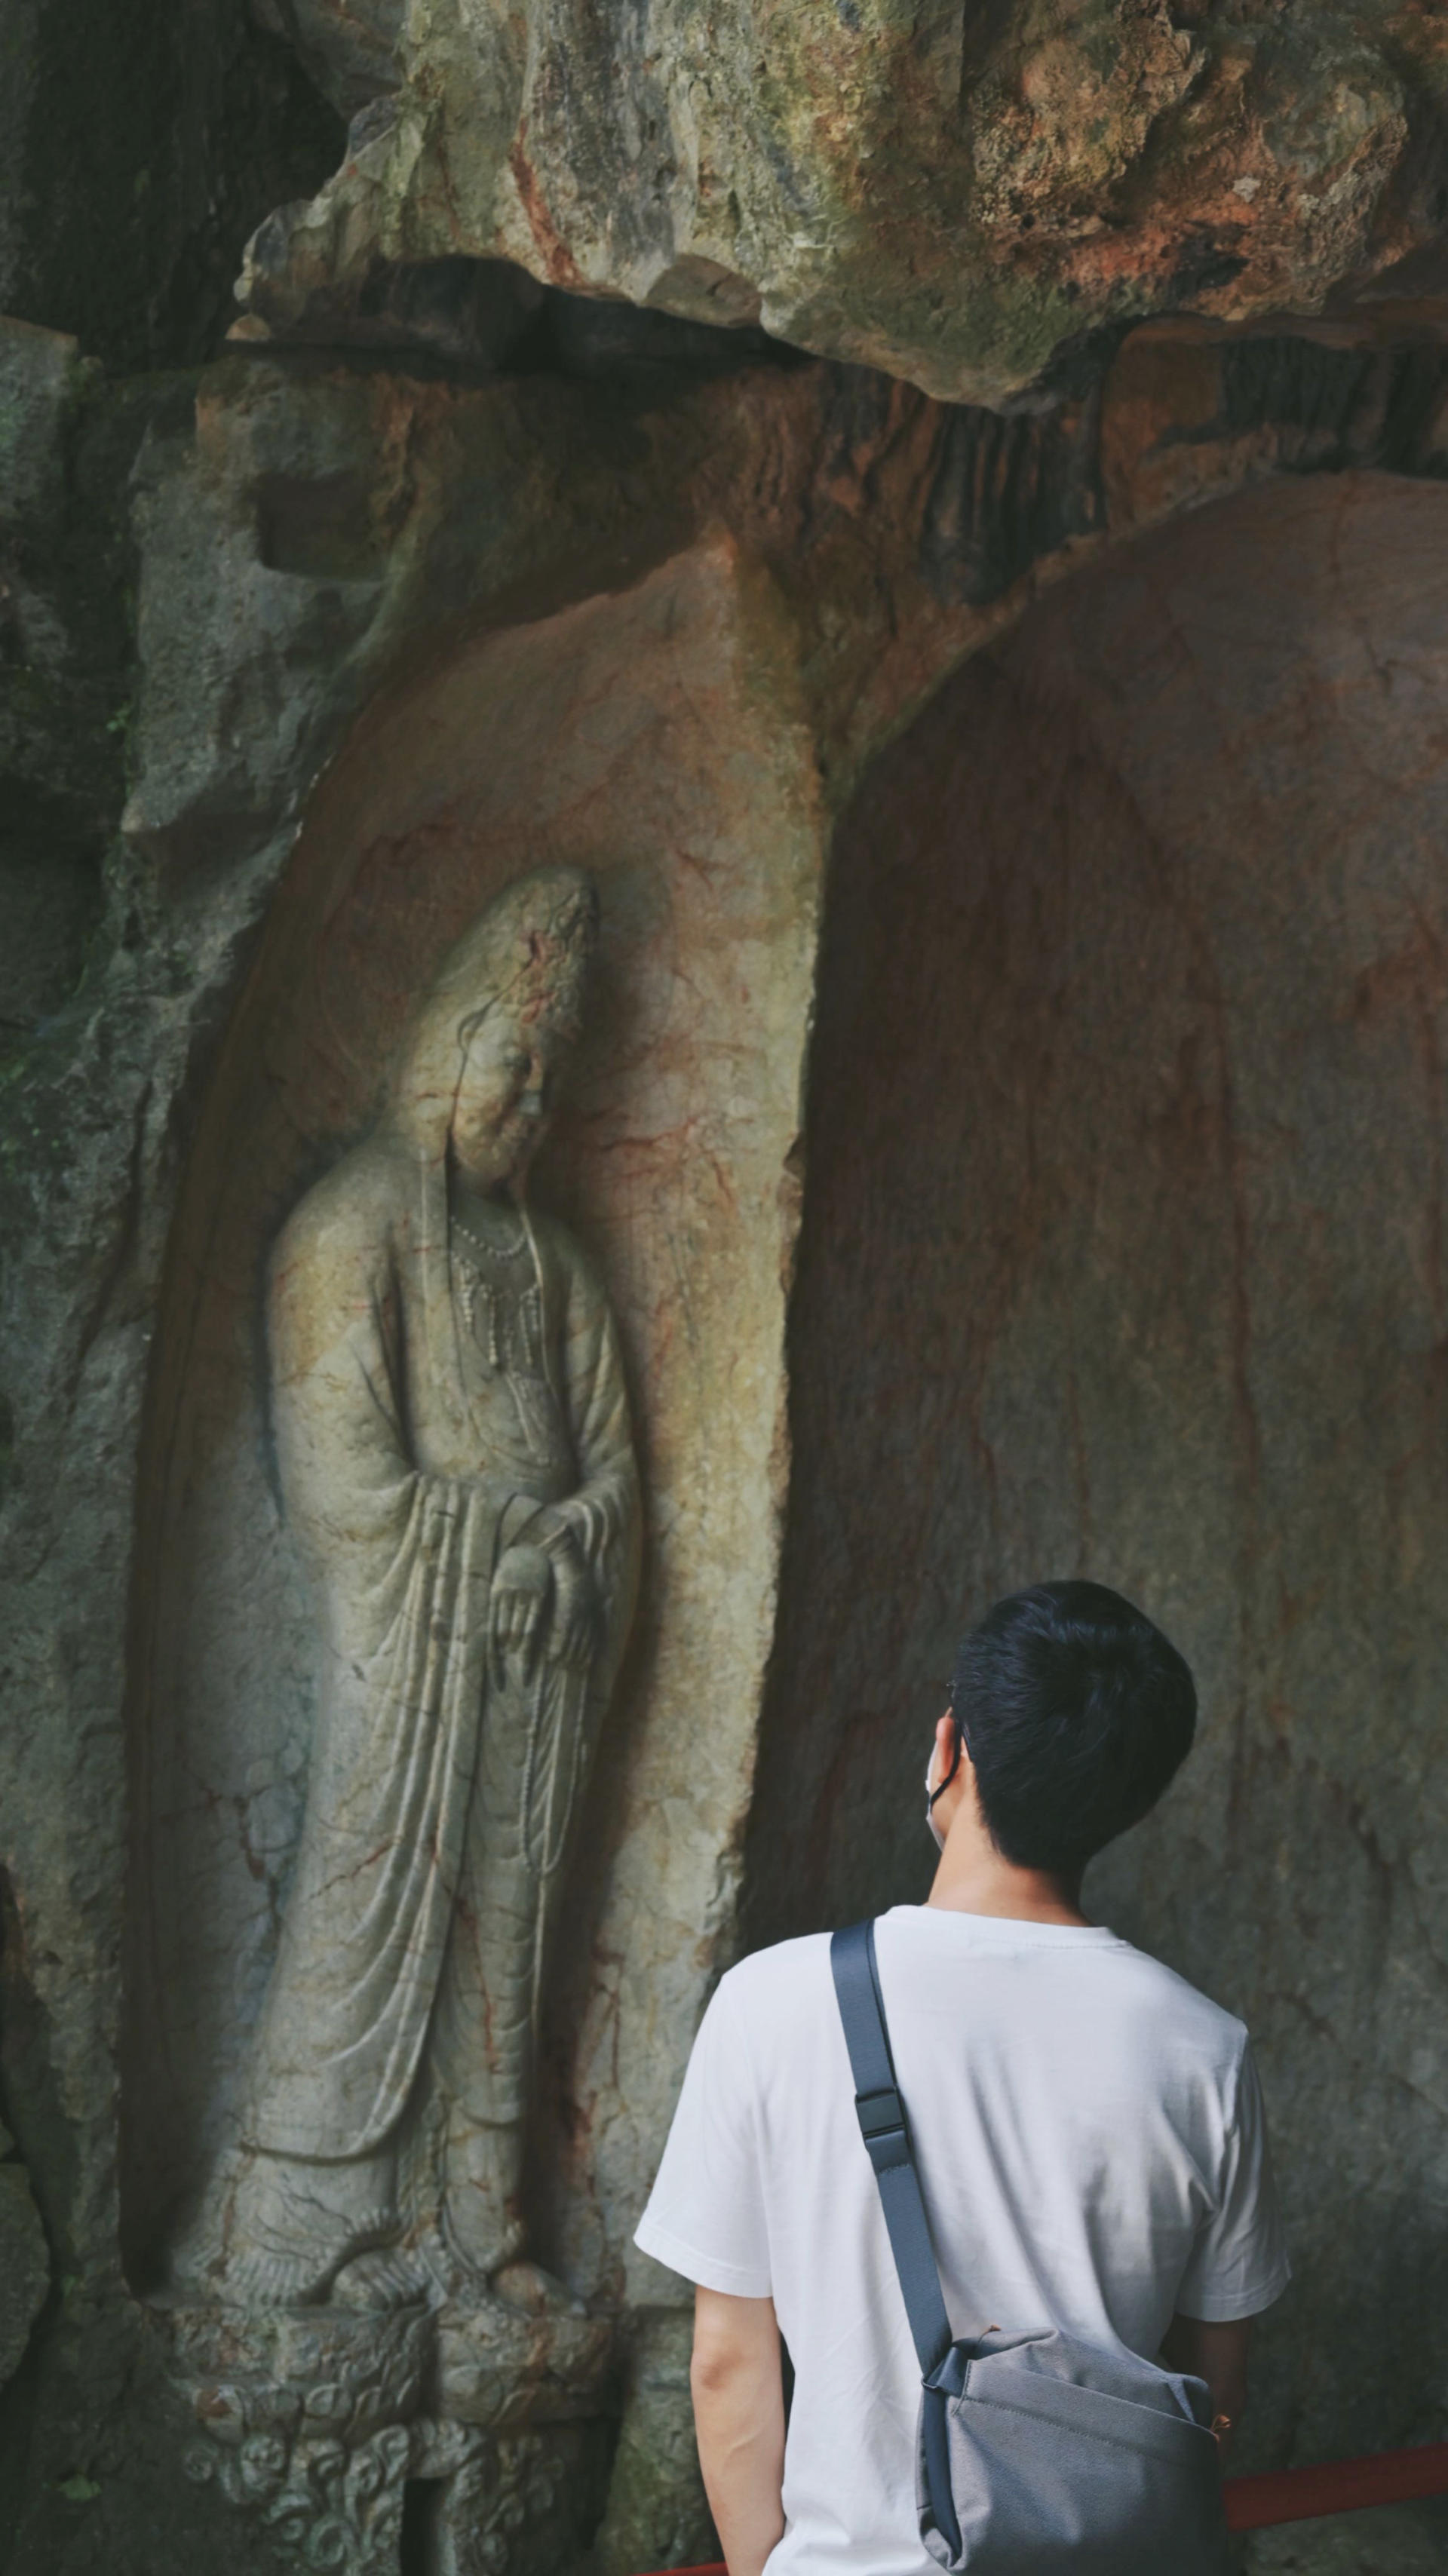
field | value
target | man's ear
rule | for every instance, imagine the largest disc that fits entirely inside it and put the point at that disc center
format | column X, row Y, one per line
column 944, row 1747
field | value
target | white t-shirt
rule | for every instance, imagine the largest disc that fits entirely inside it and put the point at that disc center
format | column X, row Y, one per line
column 1093, row 2154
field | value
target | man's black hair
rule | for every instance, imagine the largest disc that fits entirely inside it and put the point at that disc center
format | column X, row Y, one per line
column 1076, row 1712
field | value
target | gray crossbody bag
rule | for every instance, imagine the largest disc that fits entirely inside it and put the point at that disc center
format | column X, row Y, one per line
column 1037, row 2453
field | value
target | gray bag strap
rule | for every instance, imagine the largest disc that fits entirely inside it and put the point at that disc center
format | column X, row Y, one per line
column 881, row 2115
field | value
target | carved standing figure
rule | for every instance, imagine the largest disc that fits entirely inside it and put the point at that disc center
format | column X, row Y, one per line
column 455, row 1457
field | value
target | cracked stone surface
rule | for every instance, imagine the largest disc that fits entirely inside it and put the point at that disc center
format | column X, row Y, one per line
column 678, row 615
column 958, row 196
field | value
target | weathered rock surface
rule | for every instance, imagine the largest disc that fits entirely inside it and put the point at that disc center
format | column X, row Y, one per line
column 24, row 2260
column 1123, row 1254
column 351, row 48
column 1403, row 2540
column 663, row 618
column 656, row 2507
column 1120, row 1237
column 67, row 441
column 955, row 196
column 139, row 146
column 304, row 547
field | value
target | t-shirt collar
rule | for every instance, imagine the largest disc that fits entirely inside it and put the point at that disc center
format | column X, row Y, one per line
column 1001, row 1931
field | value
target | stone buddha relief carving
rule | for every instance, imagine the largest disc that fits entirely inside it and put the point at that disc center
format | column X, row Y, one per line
column 456, row 1464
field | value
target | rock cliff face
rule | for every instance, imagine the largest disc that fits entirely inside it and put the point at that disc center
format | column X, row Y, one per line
column 1010, row 1140
column 959, row 195
column 1121, row 1111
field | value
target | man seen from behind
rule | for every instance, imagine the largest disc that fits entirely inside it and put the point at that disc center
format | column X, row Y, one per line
column 1088, row 2128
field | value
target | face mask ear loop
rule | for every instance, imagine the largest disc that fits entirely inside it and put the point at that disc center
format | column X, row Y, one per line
column 954, row 1766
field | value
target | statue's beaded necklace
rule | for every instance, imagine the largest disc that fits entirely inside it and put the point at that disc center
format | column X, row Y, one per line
column 493, row 1275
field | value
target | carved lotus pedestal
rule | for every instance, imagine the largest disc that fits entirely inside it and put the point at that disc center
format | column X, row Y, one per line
column 482, row 2435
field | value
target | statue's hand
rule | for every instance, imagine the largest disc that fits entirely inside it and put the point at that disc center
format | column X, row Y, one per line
column 518, row 1608
column 573, row 1628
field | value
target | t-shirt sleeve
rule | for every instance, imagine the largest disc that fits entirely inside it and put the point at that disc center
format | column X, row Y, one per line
column 705, row 2216
column 1239, row 2262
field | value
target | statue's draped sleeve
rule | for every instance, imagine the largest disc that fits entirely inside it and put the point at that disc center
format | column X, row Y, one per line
column 604, row 1511
column 402, row 1564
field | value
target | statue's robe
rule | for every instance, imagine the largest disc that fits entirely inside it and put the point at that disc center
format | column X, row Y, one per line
column 442, row 1778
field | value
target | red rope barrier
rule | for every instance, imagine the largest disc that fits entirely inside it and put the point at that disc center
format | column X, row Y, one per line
column 1307, row 2495
column 1338, row 2486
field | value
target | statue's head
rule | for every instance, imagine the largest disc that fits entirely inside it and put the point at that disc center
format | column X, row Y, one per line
column 494, row 1036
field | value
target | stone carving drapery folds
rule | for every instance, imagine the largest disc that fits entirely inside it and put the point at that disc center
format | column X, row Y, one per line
column 455, row 1457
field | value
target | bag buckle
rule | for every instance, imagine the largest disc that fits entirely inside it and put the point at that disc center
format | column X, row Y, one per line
column 882, row 2126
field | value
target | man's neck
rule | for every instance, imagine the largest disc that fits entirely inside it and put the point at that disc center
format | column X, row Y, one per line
column 974, row 1878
